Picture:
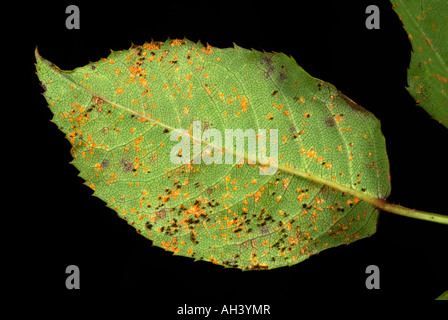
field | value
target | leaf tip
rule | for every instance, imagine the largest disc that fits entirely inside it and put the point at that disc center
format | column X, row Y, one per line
column 36, row 54
column 39, row 58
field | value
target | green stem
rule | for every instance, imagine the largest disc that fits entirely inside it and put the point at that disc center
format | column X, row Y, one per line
column 378, row 203
column 416, row 214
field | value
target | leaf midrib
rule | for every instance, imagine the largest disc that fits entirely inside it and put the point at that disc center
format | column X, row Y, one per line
column 376, row 202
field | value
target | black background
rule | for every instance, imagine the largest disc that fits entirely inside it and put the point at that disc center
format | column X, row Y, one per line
column 60, row 223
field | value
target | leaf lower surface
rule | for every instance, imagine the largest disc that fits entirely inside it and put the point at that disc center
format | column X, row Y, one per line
column 443, row 296
column 118, row 113
column 426, row 23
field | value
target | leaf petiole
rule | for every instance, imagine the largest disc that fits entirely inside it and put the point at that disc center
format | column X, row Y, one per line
column 378, row 203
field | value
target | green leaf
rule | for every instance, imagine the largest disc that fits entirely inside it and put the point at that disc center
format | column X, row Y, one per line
column 120, row 112
column 443, row 296
column 426, row 23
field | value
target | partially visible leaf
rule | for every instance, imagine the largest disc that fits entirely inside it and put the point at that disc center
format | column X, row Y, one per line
column 118, row 114
column 443, row 296
column 426, row 23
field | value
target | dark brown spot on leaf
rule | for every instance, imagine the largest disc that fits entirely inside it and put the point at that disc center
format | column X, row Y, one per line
column 148, row 225
column 267, row 60
column 351, row 103
column 104, row 163
column 330, row 122
column 127, row 165
column 283, row 76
